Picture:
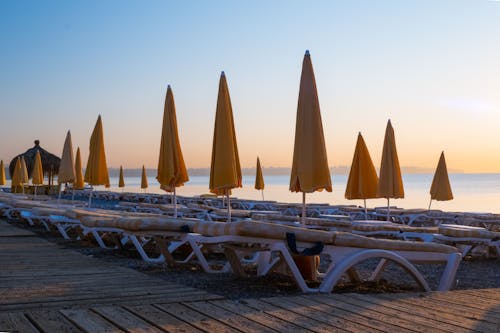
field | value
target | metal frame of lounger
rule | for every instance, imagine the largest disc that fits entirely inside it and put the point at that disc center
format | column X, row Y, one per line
column 343, row 260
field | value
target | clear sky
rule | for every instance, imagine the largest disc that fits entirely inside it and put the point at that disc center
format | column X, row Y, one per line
column 432, row 67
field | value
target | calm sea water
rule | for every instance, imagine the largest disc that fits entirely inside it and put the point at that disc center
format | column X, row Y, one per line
column 472, row 192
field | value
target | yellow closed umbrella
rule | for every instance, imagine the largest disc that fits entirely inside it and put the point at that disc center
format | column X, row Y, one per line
column 97, row 169
column 37, row 171
column 144, row 179
column 390, row 184
column 363, row 180
column 24, row 172
column 121, row 179
column 441, row 188
column 66, row 172
column 78, row 184
column 259, row 178
column 310, row 171
column 3, row 181
column 225, row 170
column 172, row 171
column 16, row 180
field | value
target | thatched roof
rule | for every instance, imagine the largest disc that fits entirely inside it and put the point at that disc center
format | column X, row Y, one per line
column 50, row 162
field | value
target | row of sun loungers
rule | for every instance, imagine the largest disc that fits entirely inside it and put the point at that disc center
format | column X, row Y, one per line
column 270, row 239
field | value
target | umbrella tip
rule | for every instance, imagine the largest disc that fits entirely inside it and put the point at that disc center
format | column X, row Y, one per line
column 168, row 86
column 222, row 73
column 307, row 52
column 37, row 142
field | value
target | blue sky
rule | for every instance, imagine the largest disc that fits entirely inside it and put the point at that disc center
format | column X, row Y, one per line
column 433, row 67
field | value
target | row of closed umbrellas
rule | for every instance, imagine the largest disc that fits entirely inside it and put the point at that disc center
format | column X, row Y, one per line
column 310, row 170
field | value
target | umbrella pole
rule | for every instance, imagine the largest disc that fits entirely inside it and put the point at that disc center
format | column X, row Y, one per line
column 73, row 193
column 388, row 209
column 430, row 202
column 366, row 212
column 90, row 195
column 34, row 196
column 175, row 203
column 228, row 207
column 303, row 220
column 262, row 195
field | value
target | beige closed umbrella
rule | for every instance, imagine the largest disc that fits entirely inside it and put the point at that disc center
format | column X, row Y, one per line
column 172, row 171
column 97, row 170
column 363, row 180
column 24, row 173
column 79, row 182
column 225, row 170
column 441, row 188
column 16, row 179
column 144, row 179
column 310, row 171
column 259, row 178
column 121, row 179
column 390, row 183
column 3, row 181
column 37, row 178
column 66, row 172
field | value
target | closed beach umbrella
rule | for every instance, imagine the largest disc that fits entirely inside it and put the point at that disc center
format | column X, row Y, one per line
column 225, row 170
column 78, row 184
column 259, row 178
column 310, row 170
column 441, row 188
column 37, row 170
column 172, row 171
column 2, row 174
column 97, row 169
column 390, row 184
column 121, row 179
column 16, row 175
column 67, row 167
column 363, row 180
column 144, row 179
column 24, row 172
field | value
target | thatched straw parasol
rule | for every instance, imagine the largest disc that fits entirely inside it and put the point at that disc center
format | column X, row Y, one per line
column 50, row 162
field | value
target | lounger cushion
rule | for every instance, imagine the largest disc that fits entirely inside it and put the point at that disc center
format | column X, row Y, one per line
column 467, row 232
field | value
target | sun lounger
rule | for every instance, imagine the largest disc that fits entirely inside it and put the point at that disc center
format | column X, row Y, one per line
column 469, row 238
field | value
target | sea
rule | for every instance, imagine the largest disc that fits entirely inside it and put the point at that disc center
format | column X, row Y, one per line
column 472, row 192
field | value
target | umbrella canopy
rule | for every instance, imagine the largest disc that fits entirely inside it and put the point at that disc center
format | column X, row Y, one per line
column 78, row 183
column 16, row 176
column 2, row 174
column 37, row 170
column 144, row 178
column 259, row 179
column 67, row 167
column 97, row 169
column 121, row 180
column 24, row 172
column 363, row 180
column 50, row 162
column 310, row 170
column 225, row 170
column 172, row 171
column 390, row 184
column 441, row 188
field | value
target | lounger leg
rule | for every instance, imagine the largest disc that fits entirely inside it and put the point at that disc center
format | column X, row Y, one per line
column 163, row 247
column 449, row 272
column 379, row 270
column 143, row 253
column 234, row 261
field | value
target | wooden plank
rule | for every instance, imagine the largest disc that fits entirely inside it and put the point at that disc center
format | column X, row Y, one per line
column 400, row 323
column 161, row 319
column 363, row 323
column 259, row 316
column 289, row 316
column 89, row 322
column 16, row 322
column 229, row 318
column 125, row 320
column 336, row 322
column 441, row 321
column 49, row 321
column 195, row 318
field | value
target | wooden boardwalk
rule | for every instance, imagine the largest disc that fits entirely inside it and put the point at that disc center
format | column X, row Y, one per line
column 44, row 288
